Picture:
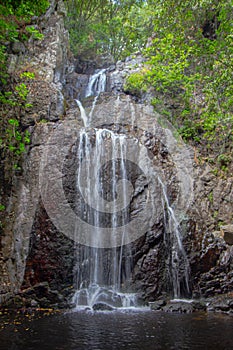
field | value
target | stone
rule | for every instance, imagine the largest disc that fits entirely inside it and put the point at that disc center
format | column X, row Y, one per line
column 61, row 9
column 230, row 303
column 178, row 307
column 18, row 48
column 220, row 303
column 219, row 306
column 12, row 63
column 218, row 234
column 100, row 306
column 228, row 233
column 157, row 305
column 199, row 305
column 34, row 303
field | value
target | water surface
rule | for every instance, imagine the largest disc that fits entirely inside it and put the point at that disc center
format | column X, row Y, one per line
column 141, row 330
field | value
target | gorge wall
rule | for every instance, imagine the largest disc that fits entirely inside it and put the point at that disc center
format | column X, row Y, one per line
column 37, row 259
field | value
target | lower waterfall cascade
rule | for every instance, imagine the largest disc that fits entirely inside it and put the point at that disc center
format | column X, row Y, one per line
column 100, row 272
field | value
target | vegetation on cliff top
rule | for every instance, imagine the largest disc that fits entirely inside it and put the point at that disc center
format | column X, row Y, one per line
column 108, row 27
column 190, row 71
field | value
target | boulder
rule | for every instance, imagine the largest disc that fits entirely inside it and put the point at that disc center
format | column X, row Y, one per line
column 222, row 303
column 18, row 48
column 179, row 307
column 157, row 305
column 102, row 307
column 228, row 233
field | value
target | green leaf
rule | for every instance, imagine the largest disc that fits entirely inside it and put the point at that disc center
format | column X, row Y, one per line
column 2, row 207
column 13, row 122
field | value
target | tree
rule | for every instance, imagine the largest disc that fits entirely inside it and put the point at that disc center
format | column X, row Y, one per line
column 117, row 28
column 190, row 61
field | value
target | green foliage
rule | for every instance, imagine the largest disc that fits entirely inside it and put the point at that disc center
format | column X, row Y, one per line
column 13, row 140
column 190, row 64
column 27, row 75
column 15, row 15
column 34, row 33
column 224, row 160
column 210, row 197
column 24, row 8
column 2, row 207
column 136, row 83
column 116, row 27
column 16, row 140
column 15, row 25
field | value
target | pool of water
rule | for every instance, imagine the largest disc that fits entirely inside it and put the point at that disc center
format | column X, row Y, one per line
column 134, row 330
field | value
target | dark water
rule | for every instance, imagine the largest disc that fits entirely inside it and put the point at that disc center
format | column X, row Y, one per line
column 120, row 330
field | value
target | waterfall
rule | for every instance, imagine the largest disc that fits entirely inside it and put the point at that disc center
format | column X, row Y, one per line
column 179, row 265
column 102, row 274
column 96, row 85
column 83, row 113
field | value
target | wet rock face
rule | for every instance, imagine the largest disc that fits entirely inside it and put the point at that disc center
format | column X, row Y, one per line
column 209, row 245
column 117, row 73
column 50, row 257
column 47, row 254
column 210, row 260
column 47, row 59
column 213, row 271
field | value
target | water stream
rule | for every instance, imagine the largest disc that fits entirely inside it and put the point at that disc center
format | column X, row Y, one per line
column 180, row 271
column 102, row 276
column 96, row 85
column 101, row 273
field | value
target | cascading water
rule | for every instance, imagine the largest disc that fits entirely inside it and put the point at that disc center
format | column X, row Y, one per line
column 83, row 113
column 179, row 266
column 96, row 85
column 103, row 274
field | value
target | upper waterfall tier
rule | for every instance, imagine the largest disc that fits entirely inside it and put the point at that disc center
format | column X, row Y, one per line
column 97, row 83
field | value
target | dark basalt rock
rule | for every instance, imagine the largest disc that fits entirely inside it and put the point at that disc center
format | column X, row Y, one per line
column 38, row 296
column 102, row 307
column 223, row 303
column 157, row 305
column 228, row 233
column 178, row 306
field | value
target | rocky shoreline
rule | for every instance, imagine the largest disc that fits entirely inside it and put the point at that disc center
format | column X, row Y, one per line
column 41, row 297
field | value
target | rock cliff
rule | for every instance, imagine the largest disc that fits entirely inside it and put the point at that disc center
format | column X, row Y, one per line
column 37, row 260
column 48, row 60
